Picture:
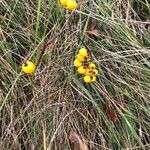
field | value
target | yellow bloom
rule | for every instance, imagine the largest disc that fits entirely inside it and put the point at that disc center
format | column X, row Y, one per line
column 72, row 4
column 81, row 58
column 95, row 72
column 77, row 63
column 89, row 72
column 92, row 66
column 87, row 79
column 81, row 70
column 28, row 67
column 93, row 78
column 83, row 52
column 64, row 2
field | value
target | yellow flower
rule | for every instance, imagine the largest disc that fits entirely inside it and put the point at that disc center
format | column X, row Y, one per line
column 64, row 2
column 87, row 79
column 95, row 72
column 28, row 67
column 89, row 72
column 93, row 78
column 77, row 63
column 92, row 66
column 81, row 70
column 81, row 58
column 72, row 4
column 83, row 52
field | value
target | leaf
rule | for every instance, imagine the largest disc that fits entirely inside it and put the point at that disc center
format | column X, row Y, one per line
column 111, row 113
column 77, row 142
column 93, row 32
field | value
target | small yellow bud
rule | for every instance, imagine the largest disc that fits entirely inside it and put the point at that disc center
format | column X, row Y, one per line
column 92, row 66
column 64, row 2
column 87, row 79
column 81, row 70
column 83, row 52
column 28, row 67
column 81, row 58
column 88, row 72
column 77, row 63
column 95, row 71
column 93, row 78
column 72, row 4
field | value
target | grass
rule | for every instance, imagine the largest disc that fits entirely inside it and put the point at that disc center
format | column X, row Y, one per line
column 37, row 112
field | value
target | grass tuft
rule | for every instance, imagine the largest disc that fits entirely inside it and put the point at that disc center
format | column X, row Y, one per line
column 39, row 111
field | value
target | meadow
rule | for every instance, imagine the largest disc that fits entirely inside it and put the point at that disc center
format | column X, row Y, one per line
column 53, row 108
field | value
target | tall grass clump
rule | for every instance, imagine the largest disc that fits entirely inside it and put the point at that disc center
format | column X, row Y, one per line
column 38, row 111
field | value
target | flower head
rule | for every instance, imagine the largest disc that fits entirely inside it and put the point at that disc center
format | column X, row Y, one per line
column 28, row 67
column 95, row 72
column 83, row 52
column 72, row 4
column 93, row 78
column 77, row 63
column 89, row 72
column 64, row 2
column 81, row 58
column 87, row 79
column 91, row 66
column 81, row 70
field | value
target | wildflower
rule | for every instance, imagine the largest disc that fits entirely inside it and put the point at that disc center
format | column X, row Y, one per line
column 84, row 67
column 81, row 70
column 77, row 63
column 87, row 79
column 91, row 66
column 64, row 2
column 88, row 72
column 81, row 58
column 28, row 67
column 83, row 52
column 95, row 72
column 93, row 78
column 72, row 5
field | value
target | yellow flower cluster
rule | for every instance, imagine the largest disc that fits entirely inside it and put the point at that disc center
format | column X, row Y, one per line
column 70, row 4
column 84, row 67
